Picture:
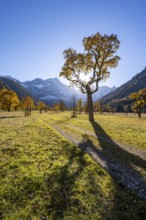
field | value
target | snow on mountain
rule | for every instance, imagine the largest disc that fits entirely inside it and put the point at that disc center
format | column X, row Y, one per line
column 39, row 86
column 52, row 90
column 49, row 97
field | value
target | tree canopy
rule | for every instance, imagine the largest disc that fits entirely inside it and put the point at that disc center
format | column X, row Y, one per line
column 41, row 106
column 86, row 70
column 8, row 99
column 28, row 105
column 139, row 101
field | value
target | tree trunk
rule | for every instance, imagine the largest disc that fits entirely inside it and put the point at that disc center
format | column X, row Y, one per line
column 74, row 113
column 90, row 106
column 139, row 114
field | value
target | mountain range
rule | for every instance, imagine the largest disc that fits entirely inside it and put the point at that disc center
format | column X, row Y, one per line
column 50, row 90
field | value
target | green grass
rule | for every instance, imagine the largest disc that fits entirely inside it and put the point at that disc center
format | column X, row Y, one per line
column 43, row 176
column 128, row 130
column 103, row 133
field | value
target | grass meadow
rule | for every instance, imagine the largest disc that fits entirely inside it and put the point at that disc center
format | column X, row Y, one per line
column 43, row 176
column 128, row 130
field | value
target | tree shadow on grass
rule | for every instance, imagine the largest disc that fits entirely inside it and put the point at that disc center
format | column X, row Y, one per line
column 70, row 190
column 69, row 201
column 120, row 163
column 63, row 195
column 61, row 186
column 55, row 198
column 4, row 117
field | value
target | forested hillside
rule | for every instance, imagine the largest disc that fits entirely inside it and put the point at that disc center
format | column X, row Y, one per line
column 15, row 86
column 3, row 85
column 121, row 93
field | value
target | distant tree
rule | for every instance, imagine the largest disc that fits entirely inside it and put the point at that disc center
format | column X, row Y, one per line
column 94, row 63
column 85, row 107
column 79, row 106
column 95, row 105
column 139, row 101
column 47, row 108
column 74, row 111
column 98, row 107
column 107, row 107
column 142, row 93
column 20, row 106
column 41, row 106
column 56, row 107
column 137, row 107
column 110, row 107
column 8, row 100
column 113, row 108
column 126, row 109
column 28, row 105
column 1, row 97
column 62, row 106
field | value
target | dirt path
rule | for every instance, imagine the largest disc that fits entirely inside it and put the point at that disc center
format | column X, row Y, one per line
column 141, row 153
column 128, row 176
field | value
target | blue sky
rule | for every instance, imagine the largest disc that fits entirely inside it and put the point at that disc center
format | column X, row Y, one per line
column 34, row 33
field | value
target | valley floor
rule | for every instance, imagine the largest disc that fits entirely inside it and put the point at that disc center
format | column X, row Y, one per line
column 126, row 163
column 45, row 176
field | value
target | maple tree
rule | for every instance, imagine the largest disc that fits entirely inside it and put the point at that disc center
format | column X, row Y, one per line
column 41, row 106
column 28, row 105
column 8, row 99
column 139, row 101
column 86, row 70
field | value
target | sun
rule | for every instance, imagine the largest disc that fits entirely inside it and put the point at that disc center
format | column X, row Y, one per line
column 83, row 77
